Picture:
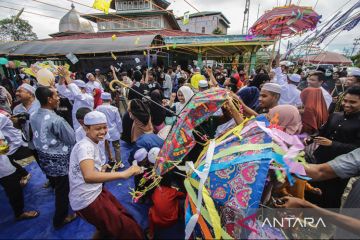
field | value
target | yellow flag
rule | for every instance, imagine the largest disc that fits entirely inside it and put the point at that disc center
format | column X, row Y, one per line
column 144, row 53
column 113, row 56
column 102, row 5
column 113, row 37
column 137, row 40
column 186, row 18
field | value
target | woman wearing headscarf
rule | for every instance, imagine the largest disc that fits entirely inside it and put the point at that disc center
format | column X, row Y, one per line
column 140, row 113
column 158, row 113
column 250, row 97
column 97, row 97
column 315, row 112
column 289, row 119
column 184, row 95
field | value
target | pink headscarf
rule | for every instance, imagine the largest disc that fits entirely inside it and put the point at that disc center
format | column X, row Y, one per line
column 289, row 118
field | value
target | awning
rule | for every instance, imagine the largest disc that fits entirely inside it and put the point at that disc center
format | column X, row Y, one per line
column 79, row 46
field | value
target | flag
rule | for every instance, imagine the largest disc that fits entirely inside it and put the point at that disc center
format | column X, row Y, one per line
column 102, row 5
column 186, row 18
column 113, row 37
column 113, row 56
column 137, row 40
column 352, row 24
column 144, row 53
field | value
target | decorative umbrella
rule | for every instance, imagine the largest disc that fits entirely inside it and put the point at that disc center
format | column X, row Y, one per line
column 285, row 21
column 180, row 140
column 226, row 184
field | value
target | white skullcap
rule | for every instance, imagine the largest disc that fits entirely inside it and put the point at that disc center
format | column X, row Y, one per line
column 295, row 78
column 272, row 87
column 94, row 118
column 28, row 88
column 152, row 155
column 354, row 72
column 203, row 84
column 88, row 75
column 164, row 132
column 140, row 155
column 1, row 135
column 97, row 70
column 105, row 96
column 197, row 69
column 80, row 83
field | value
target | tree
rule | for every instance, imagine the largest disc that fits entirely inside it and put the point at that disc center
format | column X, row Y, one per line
column 217, row 31
column 356, row 60
column 21, row 30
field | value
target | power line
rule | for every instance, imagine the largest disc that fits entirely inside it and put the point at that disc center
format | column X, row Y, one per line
column 30, row 12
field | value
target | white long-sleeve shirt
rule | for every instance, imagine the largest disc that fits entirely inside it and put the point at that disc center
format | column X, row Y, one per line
column 114, row 122
column 12, row 135
column 289, row 92
column 80, row 99
column 327, row 97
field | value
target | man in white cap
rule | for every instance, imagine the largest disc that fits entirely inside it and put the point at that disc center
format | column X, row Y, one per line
column 53, row 139
column 28, row 104
column 194, row 81
column 269, row 97
column 203, row 85
column 92, row 83
column 87, row 196
column 114, row 124
column 76, row 91
column 289, row 93
column 152, row 155
column 99, row 77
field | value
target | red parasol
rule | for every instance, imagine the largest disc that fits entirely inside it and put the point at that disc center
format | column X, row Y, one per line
column 285, row 21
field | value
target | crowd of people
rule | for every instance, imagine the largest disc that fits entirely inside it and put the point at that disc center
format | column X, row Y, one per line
column 74, row 130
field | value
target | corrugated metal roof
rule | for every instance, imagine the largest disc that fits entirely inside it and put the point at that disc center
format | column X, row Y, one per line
column 78, row 46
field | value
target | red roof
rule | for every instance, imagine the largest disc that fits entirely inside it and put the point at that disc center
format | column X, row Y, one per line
column 327, row 58
column 163, row 32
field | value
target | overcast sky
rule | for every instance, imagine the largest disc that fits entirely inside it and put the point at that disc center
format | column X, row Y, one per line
column 232, row 9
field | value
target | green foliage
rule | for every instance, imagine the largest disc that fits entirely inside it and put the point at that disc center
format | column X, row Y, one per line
column 21, row 30
column 356, row 59
column 217, row 31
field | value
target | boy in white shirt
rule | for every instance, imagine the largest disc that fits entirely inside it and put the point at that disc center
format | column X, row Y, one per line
column 114, row 124
column 87, row 196
column 10, row 181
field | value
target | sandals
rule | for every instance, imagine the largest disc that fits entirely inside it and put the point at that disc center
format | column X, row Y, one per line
column 28, row 215
column 25, row 180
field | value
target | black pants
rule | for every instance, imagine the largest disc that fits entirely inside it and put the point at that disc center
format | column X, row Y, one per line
column 61, row 186
column 14, row 192
column 21, row 153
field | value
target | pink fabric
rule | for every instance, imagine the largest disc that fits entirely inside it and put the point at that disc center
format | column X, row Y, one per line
column 289, row 118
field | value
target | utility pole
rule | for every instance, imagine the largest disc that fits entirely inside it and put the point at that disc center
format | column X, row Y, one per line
column 245, row 25
column 356, row 43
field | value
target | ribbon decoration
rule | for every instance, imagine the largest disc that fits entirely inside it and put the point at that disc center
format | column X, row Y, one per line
column 203, row 176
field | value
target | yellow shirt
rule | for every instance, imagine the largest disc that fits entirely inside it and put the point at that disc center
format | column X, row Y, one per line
column 195, row 80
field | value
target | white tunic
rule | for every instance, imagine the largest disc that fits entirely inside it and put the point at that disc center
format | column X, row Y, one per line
column 6, row 168
column 80, row 100
column 12, row 135
column 289, row 92
column 90, row 86
column 114, row 122
column 82, row 194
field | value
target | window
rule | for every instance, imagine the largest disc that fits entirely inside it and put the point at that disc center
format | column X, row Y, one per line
column 125, row 6
column 203, row 30
column 187, row 30
column 147, row 4
column 136, row 6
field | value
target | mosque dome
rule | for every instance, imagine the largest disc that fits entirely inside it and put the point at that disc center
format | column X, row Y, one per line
column 72, row 22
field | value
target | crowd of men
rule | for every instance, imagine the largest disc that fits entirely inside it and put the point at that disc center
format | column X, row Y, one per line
column 73, row 128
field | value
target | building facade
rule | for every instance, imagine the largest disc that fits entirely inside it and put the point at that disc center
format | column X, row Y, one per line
column 135, row 15
column 205, row 23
